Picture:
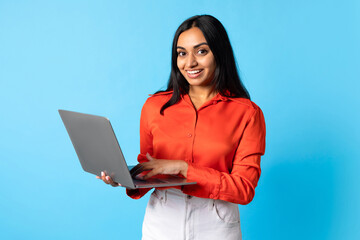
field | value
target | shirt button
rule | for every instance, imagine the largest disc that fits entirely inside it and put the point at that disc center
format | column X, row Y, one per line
column 189, row 135
column 211, row 196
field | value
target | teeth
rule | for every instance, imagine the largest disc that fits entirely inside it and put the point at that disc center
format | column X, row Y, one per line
column 193, row 72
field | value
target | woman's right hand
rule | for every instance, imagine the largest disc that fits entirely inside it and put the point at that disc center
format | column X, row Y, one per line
column 108, row 180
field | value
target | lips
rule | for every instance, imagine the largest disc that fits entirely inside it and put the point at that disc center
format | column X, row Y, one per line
column 194, row 73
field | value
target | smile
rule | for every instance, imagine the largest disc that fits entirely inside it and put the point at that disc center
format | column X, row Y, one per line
column 194, row 71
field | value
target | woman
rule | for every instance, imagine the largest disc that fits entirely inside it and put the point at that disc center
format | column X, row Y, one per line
column 205, row 128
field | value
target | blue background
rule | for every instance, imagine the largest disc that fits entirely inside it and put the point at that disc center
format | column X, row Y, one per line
column 299, row 60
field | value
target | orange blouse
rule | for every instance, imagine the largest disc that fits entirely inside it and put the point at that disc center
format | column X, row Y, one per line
column 222, row 142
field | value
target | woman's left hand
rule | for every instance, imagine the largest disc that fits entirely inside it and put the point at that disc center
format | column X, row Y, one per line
column 162, row 166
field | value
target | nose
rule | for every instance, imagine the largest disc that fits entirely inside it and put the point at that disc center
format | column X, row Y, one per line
column 191, row 61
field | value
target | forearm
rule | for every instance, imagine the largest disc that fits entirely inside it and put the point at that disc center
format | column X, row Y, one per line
column 237, row 186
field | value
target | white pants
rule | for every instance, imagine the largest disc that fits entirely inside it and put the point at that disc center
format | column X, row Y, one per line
column 172, row 215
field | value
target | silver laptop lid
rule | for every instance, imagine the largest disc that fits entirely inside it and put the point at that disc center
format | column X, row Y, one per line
column 96, row 146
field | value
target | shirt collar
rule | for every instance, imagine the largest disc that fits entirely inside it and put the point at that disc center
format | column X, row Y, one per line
column 219, row 97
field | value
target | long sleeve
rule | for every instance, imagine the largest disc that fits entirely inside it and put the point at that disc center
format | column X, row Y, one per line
column 237, row 185
column 146, row 141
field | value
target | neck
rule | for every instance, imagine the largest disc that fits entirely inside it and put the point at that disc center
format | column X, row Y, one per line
column 201, row 92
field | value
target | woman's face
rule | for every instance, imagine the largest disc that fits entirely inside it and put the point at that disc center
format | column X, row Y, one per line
column 195, row 60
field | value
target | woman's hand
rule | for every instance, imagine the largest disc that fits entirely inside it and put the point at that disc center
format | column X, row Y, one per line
column 161, row 166
column 108, row 180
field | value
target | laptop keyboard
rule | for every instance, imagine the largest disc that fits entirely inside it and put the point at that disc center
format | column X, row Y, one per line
column 171, row 179
column 151, row 181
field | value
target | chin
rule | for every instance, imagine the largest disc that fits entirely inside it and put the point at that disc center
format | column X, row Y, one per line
column 198, row 83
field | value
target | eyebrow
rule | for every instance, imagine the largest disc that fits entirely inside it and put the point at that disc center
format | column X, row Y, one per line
column 196, row 46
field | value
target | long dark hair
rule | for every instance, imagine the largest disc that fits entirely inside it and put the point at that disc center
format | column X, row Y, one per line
column 226, row 78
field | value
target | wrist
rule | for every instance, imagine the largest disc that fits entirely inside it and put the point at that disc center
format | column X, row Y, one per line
column 184, row 169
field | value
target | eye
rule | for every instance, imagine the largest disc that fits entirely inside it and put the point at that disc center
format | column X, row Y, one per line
column 202, row 51
column 181, row 54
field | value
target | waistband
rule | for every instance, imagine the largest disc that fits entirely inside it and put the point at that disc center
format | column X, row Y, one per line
column 173, row 194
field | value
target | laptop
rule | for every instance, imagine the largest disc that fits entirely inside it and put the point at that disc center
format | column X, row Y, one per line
column 98, row 150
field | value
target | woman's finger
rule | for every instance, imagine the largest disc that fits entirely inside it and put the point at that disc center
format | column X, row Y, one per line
column 109, row 180
column 151, row 173
column 104, row 177
column 149, row 157
column 147, row 166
